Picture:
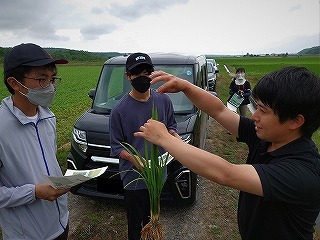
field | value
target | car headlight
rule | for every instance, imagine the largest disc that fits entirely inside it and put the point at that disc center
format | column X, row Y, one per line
column 187, row 138
column 80, row 139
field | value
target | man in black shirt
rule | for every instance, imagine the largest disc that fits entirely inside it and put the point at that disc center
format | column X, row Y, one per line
column 280, row 183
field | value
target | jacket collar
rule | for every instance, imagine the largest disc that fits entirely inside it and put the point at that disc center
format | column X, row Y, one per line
column 43, row 112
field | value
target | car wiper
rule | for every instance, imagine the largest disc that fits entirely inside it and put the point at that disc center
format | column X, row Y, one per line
column 102, row 111
column 182, row 113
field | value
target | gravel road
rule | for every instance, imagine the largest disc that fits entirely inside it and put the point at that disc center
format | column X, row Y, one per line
column 178, row 223
column 192, row 222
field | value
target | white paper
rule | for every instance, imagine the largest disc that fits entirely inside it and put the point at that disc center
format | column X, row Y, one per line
column 74, row 177
column 231, row 107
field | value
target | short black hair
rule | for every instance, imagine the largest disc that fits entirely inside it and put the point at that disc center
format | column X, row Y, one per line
column 240, row 70
column 289, row 92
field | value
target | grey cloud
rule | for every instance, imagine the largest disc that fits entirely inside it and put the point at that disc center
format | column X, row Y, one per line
column 295, row 8
column 294, row 44
column 33, row 18
column 97, row 10
column 44, row 31
column 140, row 8
column 93, row 31
column 19, row 15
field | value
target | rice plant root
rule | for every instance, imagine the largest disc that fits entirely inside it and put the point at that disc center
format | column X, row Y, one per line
column 152, row 231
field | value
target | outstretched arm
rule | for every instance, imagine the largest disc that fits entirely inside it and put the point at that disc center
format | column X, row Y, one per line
column 204, row 100
column 242, row 177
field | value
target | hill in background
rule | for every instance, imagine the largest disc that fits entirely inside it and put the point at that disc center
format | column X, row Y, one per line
column 73, row 55
column 85, row 56
column 80, row 55
column 310, row 51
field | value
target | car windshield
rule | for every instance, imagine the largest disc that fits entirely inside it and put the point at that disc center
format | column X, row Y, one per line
column 113, row 85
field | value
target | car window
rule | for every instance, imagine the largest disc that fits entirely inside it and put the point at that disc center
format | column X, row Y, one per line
column 113, row 85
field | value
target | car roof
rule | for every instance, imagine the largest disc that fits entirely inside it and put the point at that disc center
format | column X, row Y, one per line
column 163, row 58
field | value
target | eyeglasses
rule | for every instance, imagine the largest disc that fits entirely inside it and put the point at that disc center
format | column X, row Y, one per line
column 43, row 82
column 253, row 106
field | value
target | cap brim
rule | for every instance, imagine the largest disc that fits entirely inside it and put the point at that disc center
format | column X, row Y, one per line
column 137, row 64
column 44, row 62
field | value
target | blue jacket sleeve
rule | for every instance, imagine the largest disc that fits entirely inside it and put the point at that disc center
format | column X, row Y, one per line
column 17, row 196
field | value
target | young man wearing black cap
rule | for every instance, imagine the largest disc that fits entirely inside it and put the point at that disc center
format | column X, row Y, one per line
column 126, row 117
column 29, row 207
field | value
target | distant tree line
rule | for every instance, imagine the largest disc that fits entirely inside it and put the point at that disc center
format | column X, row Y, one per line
column 80, row 55
column 85, row 56
column 72, row 55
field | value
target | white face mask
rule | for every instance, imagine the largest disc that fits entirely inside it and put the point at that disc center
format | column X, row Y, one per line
column 240, row 79
column 240, row 76
column 40, row 96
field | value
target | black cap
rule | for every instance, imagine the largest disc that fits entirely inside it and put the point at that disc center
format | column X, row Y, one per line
column 28, row 54
column 136, row 59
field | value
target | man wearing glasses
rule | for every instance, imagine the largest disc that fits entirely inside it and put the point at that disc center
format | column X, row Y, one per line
column 29, row 207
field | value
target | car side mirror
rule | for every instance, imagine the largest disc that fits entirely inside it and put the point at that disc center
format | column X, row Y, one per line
column 216, row 71
column 92, row 93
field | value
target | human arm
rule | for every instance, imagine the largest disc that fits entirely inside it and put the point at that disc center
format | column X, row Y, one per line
column 231, row 86
column 247, row 89
column 47, row 192
column 127, row 156
column 239, row 176
column 204, row 100
column 247, row 93
column 27, row 194
column 175, row 134
column 171, row 120
column 118, row 136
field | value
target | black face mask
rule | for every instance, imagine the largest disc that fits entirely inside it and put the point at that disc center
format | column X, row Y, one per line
column 141, row 83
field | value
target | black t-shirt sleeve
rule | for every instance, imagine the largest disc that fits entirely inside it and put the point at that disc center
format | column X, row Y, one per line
column 246, row 132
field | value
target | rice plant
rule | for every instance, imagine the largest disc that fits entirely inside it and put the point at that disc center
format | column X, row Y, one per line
column 151, row 169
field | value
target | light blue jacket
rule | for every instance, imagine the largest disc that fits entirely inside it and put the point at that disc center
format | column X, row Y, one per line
column 27, row 153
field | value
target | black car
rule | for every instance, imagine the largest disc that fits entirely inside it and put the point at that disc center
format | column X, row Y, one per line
column 90, row 144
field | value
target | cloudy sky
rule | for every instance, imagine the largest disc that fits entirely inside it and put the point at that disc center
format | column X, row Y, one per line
column 192, row 26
